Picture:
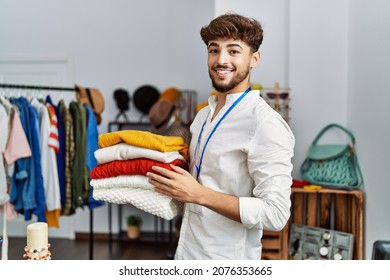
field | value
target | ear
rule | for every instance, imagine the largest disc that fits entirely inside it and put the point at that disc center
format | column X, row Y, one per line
column 255, row 59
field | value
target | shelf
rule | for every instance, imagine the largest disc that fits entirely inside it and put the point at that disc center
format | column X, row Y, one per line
column 145, row 126
column 338, row 210
column 328, row 191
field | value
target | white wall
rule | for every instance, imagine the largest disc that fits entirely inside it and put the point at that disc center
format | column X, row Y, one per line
column 368, row 108
column 332, row 54
column 318, row 77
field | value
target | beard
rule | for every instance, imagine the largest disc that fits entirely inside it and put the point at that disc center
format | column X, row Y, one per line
column 241, row 76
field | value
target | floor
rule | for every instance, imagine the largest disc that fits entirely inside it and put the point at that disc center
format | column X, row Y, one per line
column 80, row 249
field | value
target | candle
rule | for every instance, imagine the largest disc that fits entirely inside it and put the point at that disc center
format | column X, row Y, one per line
column 37, row 241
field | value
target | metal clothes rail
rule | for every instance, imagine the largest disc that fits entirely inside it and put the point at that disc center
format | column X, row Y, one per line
column 73, row 89
column 34, row 87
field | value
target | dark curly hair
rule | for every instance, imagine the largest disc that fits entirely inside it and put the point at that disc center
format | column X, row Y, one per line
column 234, row 26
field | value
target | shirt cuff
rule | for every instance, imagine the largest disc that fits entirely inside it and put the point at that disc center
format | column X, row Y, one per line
column 250, row 212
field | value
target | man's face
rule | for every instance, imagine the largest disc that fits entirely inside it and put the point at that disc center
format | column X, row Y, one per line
column 229, row 63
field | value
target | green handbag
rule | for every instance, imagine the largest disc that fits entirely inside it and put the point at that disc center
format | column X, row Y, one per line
column 332, row 165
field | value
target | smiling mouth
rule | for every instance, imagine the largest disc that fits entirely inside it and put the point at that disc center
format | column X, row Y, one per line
column 223, row 72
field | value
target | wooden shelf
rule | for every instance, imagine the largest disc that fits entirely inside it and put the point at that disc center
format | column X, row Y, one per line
column 326, row 208
column 273, row 243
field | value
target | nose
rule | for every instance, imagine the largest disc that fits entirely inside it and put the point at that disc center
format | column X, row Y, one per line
column 218, row 58
column 222, row 57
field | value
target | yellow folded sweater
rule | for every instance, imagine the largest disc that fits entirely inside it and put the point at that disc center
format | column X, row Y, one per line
column 145, row 139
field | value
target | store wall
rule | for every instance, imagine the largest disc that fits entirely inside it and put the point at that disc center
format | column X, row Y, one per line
column 317, row 69
column 368, row 113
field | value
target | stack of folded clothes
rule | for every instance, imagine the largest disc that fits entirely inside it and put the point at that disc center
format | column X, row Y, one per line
column 124, row 157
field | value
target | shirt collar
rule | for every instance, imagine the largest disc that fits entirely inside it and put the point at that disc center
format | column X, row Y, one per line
column 230, row 98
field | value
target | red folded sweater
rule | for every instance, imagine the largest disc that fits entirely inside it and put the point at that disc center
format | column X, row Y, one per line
column 139, row 166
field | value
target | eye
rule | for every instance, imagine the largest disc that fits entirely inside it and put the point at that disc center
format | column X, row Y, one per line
column 234, row 52
column 213, row 51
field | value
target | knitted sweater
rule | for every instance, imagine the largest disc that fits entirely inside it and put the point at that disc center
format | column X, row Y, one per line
column 145, row 139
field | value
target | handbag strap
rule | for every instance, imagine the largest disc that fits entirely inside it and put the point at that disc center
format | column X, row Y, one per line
column 332, row 125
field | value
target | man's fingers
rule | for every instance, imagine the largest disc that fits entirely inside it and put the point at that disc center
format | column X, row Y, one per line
column 163, row 171
column 178, row 169
column 161, row 177
column 162, row 191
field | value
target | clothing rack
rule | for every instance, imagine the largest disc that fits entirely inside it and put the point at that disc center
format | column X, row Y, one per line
column 73, row 89
column 34, row 87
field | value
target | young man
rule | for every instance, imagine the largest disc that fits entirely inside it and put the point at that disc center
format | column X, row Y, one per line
column 240, row 153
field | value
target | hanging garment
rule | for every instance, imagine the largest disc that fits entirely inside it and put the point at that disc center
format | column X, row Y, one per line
column 78, row 180
column 92, row 146
column 4, row 128
column 27, row 191
column 17, row 144
column 4, row 197
column 54, row 142
column 49, row 164
column 17, row 147
column 69, row 154
column 61, row 147
column 83, row 149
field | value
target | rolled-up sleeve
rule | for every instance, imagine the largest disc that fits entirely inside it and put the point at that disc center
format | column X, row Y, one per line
column 269, row 163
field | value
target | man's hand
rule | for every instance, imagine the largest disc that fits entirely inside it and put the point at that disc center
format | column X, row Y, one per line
column 178, row 184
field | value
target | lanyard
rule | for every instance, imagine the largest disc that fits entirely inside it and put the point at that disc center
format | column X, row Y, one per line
column 212, row 132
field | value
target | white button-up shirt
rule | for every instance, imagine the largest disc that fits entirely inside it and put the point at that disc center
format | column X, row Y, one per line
column 248, row 156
